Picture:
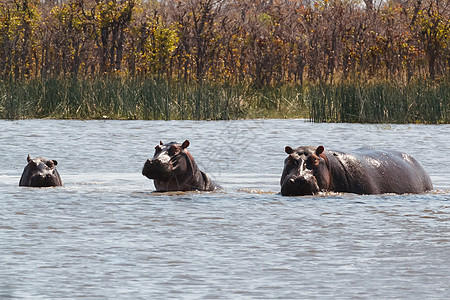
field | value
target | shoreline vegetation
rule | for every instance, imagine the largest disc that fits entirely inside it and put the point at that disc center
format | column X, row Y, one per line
column 158, row 99
column 327, row 60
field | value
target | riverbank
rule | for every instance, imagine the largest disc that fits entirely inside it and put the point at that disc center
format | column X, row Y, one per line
column 157, row 99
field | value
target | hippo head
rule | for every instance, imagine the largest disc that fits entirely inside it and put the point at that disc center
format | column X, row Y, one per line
column 40, row 172
column 306, row 171
column 171, row 162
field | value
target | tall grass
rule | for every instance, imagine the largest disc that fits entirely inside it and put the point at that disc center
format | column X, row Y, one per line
column 418, row 102
column 139, row 98
column 156, row 99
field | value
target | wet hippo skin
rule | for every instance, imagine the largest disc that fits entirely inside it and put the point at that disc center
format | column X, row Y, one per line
column 311, row 169
column 174, row 169
column 40, row 172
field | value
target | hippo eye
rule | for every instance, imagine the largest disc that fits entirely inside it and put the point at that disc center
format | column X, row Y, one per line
column 292, row 160
column 157, row 150
column 316, row 161
column 172, row 150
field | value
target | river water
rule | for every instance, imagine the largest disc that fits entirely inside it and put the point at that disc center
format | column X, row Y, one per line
column 107, row 235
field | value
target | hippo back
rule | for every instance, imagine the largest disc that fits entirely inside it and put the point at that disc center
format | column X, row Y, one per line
column 374, row 171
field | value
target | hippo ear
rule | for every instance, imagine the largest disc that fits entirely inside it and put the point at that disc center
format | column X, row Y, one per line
column 185, row 144
column 288, row 150
column 28, row 158
column 319, row 150
column 161, row 143
column 54, row 162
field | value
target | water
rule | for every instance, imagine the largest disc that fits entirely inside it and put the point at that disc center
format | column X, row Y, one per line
column 106, row 235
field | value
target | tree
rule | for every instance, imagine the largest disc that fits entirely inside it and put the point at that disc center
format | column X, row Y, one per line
column 430, row 20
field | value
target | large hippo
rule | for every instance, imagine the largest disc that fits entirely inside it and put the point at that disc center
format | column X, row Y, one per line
column 309, row 170
column 40, row 172
column 173, row 169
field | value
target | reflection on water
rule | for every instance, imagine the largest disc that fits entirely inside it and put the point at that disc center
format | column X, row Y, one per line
column 107, row 234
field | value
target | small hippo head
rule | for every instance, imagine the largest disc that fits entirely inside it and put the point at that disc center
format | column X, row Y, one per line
column 40, row 172
column 172, row 167
column 168, row 160
column 306, row 171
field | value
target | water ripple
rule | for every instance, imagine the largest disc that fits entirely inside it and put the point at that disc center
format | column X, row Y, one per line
column 106, row 233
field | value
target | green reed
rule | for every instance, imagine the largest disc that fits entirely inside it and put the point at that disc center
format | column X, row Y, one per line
column 418, row 102
column 159, row 99
column 143, row 98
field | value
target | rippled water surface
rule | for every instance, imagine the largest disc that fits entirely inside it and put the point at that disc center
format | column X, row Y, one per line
column 106, row 235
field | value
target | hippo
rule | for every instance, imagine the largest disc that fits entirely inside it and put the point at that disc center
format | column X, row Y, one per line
column 40, row 172
column 174, row 169
column 311, row 169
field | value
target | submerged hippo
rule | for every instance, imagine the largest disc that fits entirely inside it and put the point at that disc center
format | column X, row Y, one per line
column 173, row 169
column 40, row 172
column 308, row 170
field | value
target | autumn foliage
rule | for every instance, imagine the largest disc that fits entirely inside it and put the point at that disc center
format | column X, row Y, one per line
column 256, row 42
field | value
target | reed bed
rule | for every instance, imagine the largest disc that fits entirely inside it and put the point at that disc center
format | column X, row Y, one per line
column 159, row 99
column 148, row 99
column 419, row 102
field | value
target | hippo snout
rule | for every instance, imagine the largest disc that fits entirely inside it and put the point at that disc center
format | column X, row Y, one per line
column 44, row 180
column 298, row 186
column 155, row 169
